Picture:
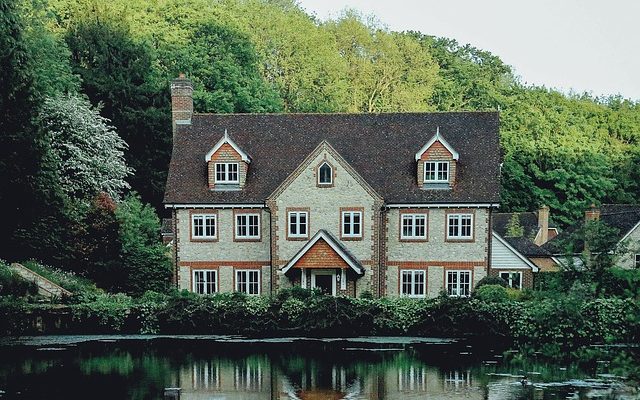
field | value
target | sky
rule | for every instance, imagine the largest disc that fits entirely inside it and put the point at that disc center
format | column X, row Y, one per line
column 570, row 45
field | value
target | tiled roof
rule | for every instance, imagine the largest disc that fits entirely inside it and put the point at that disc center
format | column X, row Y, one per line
column 380, row 147
column 524, row 244
column 621, row 217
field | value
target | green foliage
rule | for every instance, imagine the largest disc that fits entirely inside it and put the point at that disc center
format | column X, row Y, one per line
column 492, row 294
column 11, row 284
column 514, row 227
column 145, row 259
column 491, row 280
column 77, row 285
column 103, row 313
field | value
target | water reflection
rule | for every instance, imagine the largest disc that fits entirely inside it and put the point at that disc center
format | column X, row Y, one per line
column 300, row 371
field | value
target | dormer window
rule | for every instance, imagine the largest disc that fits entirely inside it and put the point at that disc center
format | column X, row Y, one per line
column 227, row 173
column 325, row 174
column 436, row 171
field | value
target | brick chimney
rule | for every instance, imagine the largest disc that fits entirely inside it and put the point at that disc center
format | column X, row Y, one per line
column 543, row 226
column 181, row 101
column 592, row 214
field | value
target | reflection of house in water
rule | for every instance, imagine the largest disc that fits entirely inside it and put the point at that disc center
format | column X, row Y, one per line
column 258, row 378
column 226, row 379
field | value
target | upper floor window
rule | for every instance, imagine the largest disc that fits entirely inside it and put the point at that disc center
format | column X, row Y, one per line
column 458, row 283
column 352, row 224
column 248, row 226
column 414, row 226
column 298, row 221
column 227, row 172
column 203, row 226
column 460, row 226
column 248, row 281
column 513, row 279
column 413, row 283
column 325, row 174
column 436, row 171
column 205, row 281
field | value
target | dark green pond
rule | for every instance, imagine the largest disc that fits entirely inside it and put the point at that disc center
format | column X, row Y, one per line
column 142, row 367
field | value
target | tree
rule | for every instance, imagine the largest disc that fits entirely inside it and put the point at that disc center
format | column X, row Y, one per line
column 145, row 259
column 514, row 227
column 116, row 72
column 33, row 205
column 386, row 71
column 86, row 152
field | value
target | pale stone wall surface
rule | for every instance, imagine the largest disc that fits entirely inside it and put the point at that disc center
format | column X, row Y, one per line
column 633, row 247
column 324, row 205
column 436, row 248
column 435, row 281
column 225, row 248
column 392, row 281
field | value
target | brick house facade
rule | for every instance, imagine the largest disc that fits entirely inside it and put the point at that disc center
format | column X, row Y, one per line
column 390, row 204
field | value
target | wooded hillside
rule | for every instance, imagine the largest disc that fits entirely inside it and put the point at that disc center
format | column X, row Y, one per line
column 566, row 151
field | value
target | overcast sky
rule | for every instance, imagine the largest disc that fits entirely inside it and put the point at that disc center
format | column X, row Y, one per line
column 584, row 45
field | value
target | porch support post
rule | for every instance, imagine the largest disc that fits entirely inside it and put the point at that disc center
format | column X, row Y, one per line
column 343, row 279
column 303, row 278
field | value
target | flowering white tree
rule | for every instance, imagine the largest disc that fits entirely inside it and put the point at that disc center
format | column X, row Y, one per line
column 87, row 152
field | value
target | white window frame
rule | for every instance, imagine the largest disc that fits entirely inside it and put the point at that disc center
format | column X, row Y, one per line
column 330, row 174
column 458, row 285
column 351, row 224
column 459, row 218
column 637, row 261
column 206, row 283
column 248, row 235
column 205, row 218
column 509, row 278
column 412, row 218
column 412, row 282
column 226, row 172
column 247, row 282
column 297, row 224
column 437, row 172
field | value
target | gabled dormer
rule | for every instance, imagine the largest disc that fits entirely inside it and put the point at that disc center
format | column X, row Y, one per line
column 437, row 163
column 227, row 165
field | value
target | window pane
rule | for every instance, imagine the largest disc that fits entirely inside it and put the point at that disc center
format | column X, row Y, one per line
column 232, row 173
column 406, row 282
column 430, row 171
column 325, row 174
column 253, row 282
column 293, row 223
column 221, row 172
column 253, row 225
column 418, row 283
column 346, row 223
column 302, row 219
column 443, row 171
column 406, row 225
column 356, row 223
column 420, row 222
column 453, row 226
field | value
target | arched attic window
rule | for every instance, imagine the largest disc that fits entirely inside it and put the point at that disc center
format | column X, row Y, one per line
column 325, row 174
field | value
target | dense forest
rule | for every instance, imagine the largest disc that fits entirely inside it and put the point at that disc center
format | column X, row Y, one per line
column 85, row 110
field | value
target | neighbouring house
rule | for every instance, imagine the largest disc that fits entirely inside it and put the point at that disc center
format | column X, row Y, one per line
column 624, row 219
column 516, row 252
column 387, row 204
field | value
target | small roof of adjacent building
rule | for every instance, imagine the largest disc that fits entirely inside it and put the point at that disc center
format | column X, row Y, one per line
column 621, row 217
column 524, row 245
column 380, row 147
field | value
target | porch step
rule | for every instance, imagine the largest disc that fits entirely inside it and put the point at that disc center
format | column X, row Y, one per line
column 46, row 288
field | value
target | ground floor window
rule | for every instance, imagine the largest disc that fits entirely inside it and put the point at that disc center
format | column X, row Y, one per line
column 637, row 263
column 413, row 283
column 513, row 279
column 205, row 281
column 248, row 281
column 459, row 283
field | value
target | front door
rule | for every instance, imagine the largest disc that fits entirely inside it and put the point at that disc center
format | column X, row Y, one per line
column 325, row 281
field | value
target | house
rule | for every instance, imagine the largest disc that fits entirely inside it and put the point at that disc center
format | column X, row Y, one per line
column 387, row 204
column 516, row 252
column 624, row 221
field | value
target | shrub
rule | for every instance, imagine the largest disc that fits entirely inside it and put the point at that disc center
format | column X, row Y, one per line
column 491, row 280
column 12, row 284
column 77, row 285
column 491, row 293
